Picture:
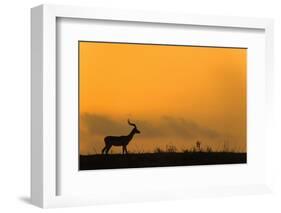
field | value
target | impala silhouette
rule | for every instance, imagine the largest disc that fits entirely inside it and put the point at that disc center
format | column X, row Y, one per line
column 120, row 140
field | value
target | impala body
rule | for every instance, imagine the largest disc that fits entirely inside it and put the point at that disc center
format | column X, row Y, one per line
column 120, row 140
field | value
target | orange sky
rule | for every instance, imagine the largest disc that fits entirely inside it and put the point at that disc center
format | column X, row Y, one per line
column 175, row 94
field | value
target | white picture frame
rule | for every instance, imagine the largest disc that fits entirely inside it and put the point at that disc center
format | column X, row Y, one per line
column 44, row 154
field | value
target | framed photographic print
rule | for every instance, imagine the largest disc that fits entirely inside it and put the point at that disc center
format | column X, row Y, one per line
column 188, row 104
column 130, row 102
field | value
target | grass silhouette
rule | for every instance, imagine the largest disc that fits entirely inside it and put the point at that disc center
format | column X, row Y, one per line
column 170, row 156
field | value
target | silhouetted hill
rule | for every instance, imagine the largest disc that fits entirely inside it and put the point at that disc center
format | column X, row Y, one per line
column 115, row 161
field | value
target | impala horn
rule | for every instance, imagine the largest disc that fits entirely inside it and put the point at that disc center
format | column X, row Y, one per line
column 134, row 125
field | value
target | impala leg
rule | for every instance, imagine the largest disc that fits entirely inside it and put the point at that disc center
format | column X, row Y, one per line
column 103, row 150
column 126, row 150
column 108, row 148
column 123, row 150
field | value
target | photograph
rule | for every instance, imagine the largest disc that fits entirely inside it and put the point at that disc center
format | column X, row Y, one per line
column 159, row 105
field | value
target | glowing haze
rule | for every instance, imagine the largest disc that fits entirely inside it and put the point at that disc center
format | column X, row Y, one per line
column 176, row 95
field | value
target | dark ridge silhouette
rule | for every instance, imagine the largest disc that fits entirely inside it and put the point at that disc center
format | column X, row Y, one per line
column 159, row 159
column 120, row 140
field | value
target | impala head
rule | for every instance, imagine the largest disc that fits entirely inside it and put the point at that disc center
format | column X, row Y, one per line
column 135, row 127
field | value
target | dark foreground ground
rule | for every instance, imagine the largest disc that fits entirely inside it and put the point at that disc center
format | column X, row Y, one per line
column 115, row 161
